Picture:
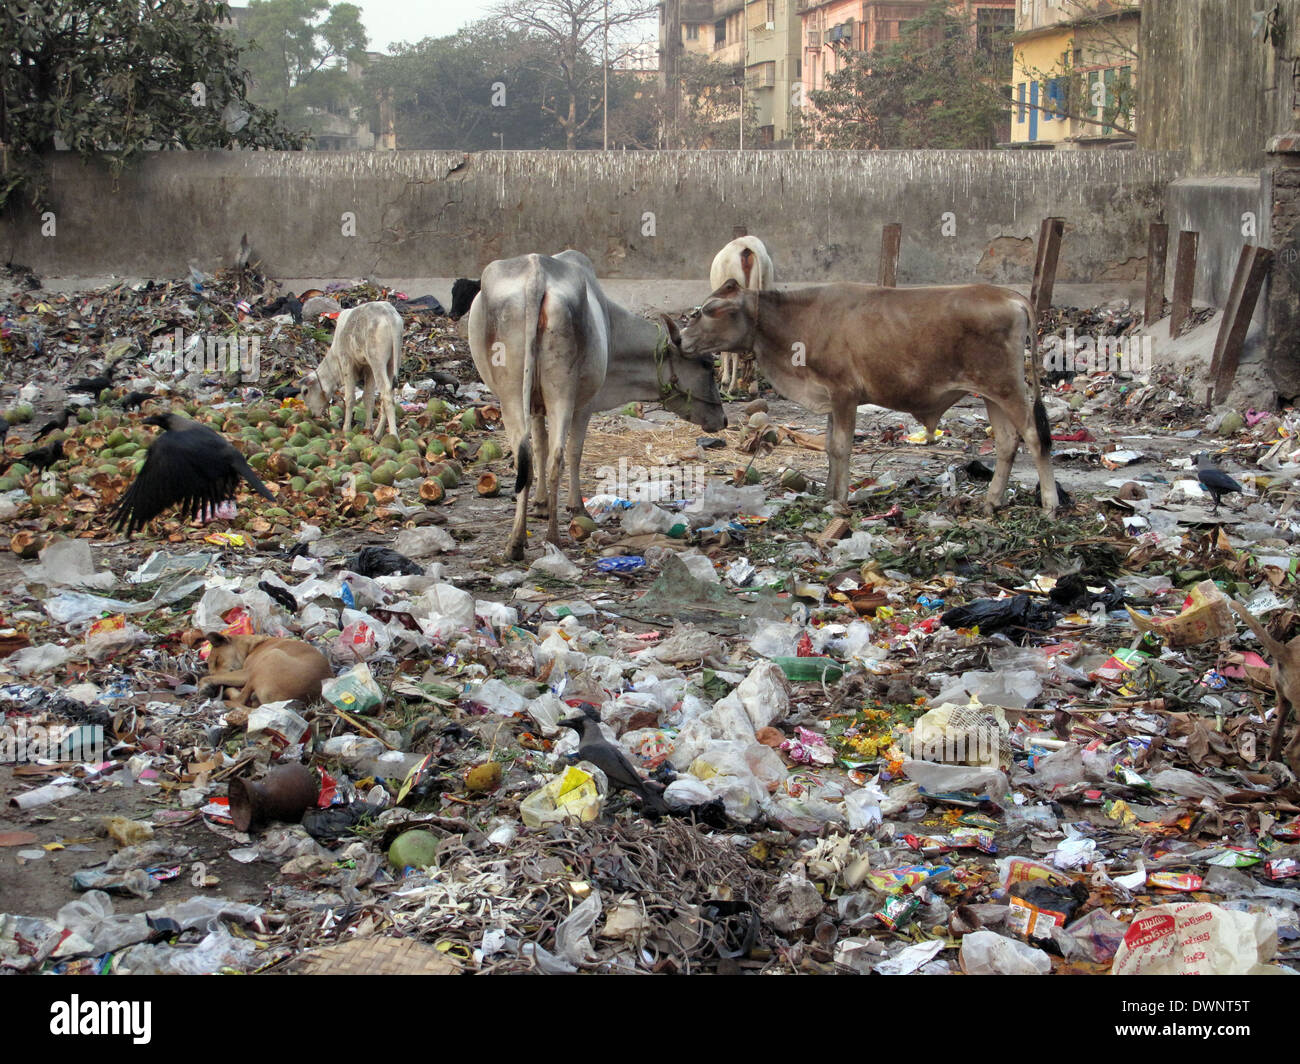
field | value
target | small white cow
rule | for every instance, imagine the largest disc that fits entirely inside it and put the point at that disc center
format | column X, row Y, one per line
column 368, row 341
column 745, row 261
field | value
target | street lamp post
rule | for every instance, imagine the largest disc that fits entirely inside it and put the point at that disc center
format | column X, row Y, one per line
column 604, row 107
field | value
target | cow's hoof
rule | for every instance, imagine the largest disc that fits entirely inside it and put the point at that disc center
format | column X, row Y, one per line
column 837, row 508
column 515, row 552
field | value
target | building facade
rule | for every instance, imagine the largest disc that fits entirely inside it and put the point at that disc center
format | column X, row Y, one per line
column 773, row 66
column 1074, row 76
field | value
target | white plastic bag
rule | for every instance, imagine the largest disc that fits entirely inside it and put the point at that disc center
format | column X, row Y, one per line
column 1198, row 939
column 988, row 953
column 555, row 564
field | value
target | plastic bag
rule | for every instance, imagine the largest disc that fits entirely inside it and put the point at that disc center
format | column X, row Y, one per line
column 1097, row 936
column 495, row 696
column 858, row 546
column 571, row 942
column 725, row 500
column 423, row 542
column 555, row 564
column 988, row 953
column 938, row 778
column 570, row 795
column 354, row 692
column 685, row 793
column 32, row 661
column 763, row 695
column 1197, row 939
column 646, row 517
column 68, row 562
column 1013, row 688
column 444, row 610
column 1207, row 617
column 92, row 918
column 1018, row 616
column 1062, row 768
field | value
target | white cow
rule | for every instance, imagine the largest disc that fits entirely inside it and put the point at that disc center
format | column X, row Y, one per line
column 555, row 350
column 745, row 261
column 367, row 342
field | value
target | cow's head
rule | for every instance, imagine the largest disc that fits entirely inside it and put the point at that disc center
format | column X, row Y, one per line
column 462, row 297
column 688, row 385
column 726, row 322
column 313, row 394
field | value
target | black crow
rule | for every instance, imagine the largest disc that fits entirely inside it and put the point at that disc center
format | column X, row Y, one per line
column 4, row 430
column 594, row 747
column 1216, row 482
column 280, row 595
column 188, row 464
column 382, row 561
column 286, row 391
column 94, row 385
column 462, row 297
column 977, row 470
column 40, row 457
column 1064, row 500
column 60, row 422
column 288, row 304
column 135, row 400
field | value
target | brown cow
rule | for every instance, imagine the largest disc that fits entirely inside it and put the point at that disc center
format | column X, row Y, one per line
column 831, row 348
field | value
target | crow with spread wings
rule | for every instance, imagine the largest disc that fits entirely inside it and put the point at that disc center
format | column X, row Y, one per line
column 188, row 464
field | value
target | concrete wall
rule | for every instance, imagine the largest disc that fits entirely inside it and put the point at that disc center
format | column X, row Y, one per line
column 636, row 214
column 1211, row 89
column 1214, row 207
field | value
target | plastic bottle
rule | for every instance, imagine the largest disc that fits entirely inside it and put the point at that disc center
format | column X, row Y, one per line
column 814, row 668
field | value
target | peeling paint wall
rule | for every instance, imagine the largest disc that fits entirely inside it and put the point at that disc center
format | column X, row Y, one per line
column 636, row 214
column 1213, row 84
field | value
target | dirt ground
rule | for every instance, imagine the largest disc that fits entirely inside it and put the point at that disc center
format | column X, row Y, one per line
column 920, row 499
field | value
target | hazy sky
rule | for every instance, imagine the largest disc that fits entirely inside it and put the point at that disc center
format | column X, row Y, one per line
column 387, row 21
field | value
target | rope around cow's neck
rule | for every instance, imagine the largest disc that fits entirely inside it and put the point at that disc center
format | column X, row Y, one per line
column 662, row 356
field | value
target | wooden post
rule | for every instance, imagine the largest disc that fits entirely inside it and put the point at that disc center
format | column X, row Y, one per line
column 891, row 239
column 1184, row 280
column 1157, row 253
column 1252, row 268
column 1049, row 251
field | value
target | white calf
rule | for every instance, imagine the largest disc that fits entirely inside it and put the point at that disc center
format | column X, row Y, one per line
column 367, row 340
column 744, row 260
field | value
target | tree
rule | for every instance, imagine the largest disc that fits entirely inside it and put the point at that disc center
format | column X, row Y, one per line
column 575, row 31
column 297, row 58
column 934, row 87
column 117, row 79
column 476, row 90
column 711, row 103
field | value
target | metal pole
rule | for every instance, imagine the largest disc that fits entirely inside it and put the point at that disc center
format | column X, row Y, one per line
column 605, row 63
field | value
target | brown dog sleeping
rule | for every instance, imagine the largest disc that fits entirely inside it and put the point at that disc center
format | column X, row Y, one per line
column 1286, row 681
column 256, row 669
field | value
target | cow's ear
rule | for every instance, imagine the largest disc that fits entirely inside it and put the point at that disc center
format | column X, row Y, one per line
column 728, row 288
column 674, row 333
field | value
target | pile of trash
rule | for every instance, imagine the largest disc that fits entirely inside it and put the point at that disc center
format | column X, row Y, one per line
column 728, row 733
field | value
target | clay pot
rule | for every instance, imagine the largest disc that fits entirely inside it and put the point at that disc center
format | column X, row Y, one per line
column 284, row 793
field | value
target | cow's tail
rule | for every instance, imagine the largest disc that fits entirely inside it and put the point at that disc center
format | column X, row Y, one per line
column 1041, row 424
column 534, row 322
